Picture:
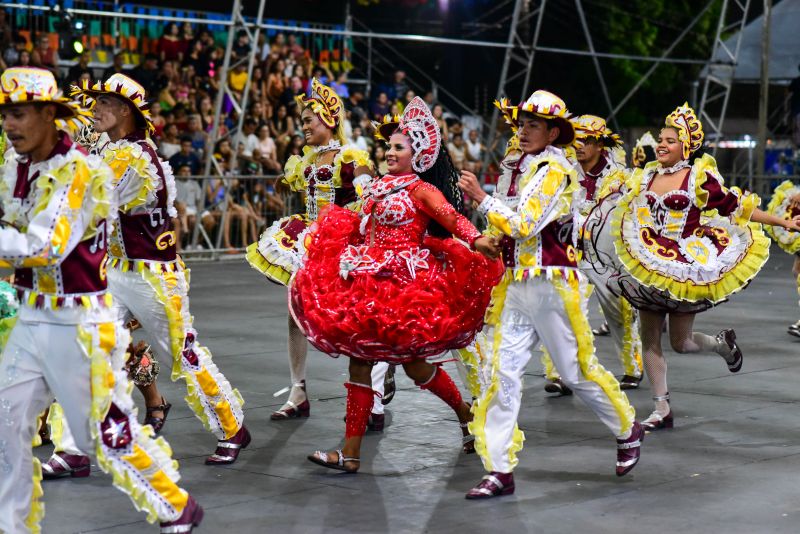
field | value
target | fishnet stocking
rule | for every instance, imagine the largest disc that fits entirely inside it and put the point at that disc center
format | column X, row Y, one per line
column 655, row 364
column 685, row 340
column 298, row 352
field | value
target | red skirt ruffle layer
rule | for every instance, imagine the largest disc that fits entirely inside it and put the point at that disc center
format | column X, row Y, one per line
column 387, row 316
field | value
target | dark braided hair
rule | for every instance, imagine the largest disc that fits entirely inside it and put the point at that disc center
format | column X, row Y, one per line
column 444, row 177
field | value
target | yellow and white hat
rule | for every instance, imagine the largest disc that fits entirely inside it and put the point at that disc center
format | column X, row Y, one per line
column 587, row 126
column 545, row 105
column 121, row 86
column 30, row 85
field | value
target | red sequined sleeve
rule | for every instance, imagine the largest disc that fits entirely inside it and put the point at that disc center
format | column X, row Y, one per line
column 433, row 203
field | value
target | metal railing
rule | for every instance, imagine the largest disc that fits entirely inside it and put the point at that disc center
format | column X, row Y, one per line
column 242, row 215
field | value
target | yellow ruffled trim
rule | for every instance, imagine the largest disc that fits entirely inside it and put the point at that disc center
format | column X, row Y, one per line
column 262, row 265
column 481, row 405
column 474, row 358
column 6, row 325
column 105, row 345
column 55, row 420
column 293, row 171
column 130, row 156
column 550, row 372
column 570, row 292
column 730, row 282
column 36, row 513
column 631, row 343
column 788, row 241
column 207, row 382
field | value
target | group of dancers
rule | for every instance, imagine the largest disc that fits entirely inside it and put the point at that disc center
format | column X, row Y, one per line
column 382, row 269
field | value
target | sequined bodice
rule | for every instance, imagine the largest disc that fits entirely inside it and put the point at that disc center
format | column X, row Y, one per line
column 667, row 213
column 395, row 221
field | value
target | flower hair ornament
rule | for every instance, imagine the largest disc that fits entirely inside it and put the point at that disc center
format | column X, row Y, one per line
column 422, row 130
column 325, row 104
column 688, row 126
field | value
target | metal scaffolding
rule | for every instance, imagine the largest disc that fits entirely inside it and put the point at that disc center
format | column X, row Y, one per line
column 718, row 79
column 227, row 97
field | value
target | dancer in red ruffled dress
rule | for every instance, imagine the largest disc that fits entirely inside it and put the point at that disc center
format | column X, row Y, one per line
column 390, row 284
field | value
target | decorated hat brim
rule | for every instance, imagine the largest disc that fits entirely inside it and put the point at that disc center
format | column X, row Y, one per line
column 142, row 119
column 386, row 129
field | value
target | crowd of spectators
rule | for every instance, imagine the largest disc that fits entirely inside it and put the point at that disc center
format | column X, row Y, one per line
column 182, row 80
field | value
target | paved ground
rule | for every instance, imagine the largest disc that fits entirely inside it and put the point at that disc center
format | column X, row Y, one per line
column 730, row 465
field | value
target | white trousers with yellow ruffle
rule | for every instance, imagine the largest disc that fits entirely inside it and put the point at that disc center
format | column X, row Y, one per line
column 551, row 312
column 81, row 365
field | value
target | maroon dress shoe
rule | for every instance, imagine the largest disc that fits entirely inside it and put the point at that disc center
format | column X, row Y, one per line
column 62, row 464
column 228, row 449
column 494, row 484
column 629, row 450
column 191, row 517
column 291, row 410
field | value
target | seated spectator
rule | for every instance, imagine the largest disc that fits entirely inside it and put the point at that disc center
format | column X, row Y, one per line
column 283, row 128
column 241, row 47
column 295, row 49
column 269, row 151
column 237, row 79
column 359, row 140
column 236, row 213
column 199, row 57
column 355, row 105
column 268, row 201
column 296, row 88
column 12, row 52
column 205, row 108
column 187, row 200
column 340, row 85
column 195, row 132
column 398, row 86
column 170, row 144
column 186, row 156
column 276, row 82
column 117, row 66
column 247, row 139
column 45, row 57
column 458, row 151
column 147, row 74
column 474, row 152
column 429, row 99
column 77, row 71
column 157, row 119
column 260, row 112
column 171, row 46
column 438, row 113
column 166, row 97
column 379, row 158
column 24, row 59
column 380, row 107
column 212, row 214
column 295, row 147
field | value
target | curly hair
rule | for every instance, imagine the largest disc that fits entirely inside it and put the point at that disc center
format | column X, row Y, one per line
column 444, row 177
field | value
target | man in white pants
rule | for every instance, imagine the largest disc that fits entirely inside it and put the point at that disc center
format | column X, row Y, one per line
column 540, row 299
column 67, row 342
column 145, row 276
column 600, row 177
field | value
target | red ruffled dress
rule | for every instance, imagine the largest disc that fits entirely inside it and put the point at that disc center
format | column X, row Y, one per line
column 379, row 288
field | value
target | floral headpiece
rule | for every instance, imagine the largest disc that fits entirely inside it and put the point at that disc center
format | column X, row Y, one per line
column 121, row 86
column 542, row 104
column 29, row 85
column 325, row 104
column 690, row 130
column 639, row 156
